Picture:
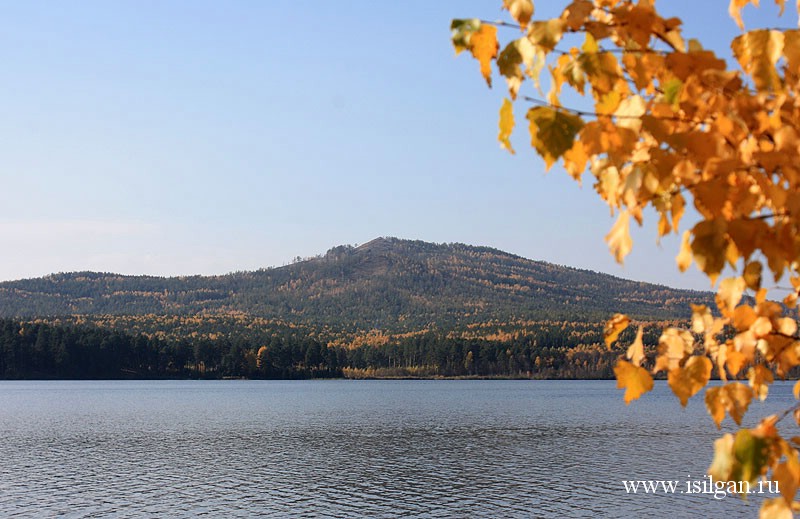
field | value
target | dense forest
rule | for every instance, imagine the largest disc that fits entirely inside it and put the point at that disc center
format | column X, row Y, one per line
column 389, row 308
column 37, row 350
column 387, row 284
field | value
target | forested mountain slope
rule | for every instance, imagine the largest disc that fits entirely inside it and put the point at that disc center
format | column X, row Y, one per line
column 387, row 284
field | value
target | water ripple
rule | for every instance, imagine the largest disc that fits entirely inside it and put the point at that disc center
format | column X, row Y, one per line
column 341, row 449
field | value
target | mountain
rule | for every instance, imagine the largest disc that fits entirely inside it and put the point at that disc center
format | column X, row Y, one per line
column 388, row 284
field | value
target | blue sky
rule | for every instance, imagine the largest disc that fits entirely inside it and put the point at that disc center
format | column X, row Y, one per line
column 185, row 137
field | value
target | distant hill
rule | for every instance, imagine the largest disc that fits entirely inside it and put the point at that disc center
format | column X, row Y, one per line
column 387, row 284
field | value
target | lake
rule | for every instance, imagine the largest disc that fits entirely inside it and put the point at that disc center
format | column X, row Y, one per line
column 341, row 448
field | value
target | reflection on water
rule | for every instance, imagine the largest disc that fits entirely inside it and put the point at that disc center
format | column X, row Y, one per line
column 351, row 449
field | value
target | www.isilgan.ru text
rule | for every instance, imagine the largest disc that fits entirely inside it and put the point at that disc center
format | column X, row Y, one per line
column 705, row 485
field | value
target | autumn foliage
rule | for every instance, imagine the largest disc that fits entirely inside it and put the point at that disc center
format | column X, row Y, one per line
column 665, row 124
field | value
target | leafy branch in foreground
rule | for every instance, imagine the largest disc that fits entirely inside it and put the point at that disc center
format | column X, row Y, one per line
column 670, row 124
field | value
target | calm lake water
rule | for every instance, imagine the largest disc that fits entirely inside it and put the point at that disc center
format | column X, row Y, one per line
column 353, row 449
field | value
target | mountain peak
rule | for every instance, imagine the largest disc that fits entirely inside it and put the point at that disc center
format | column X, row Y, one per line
column 379, row 242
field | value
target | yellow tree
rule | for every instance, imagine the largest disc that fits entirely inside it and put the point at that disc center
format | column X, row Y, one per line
column 667, row 123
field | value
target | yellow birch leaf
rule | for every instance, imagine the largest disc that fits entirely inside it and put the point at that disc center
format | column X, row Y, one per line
column 785, row 350
column 733, row 398
column 760, row 377
column 717, row 326
column 552, row 132
column 686, row 381
column 734, row 360
column 761, row 327
column 721, row 356
column 608, row 183
column 785, row 137
column 516, row 53
column 506, row 125
column 602, row 71
column 796, row 390
column 702, row 320
column 664, row 226
column 684, row 169
column 614, row 327
column 709, row 246
column 629, row 113
column 635, row 351
column 745, row 234
column 637, row 67
column 575, row 160
column 683, row 65
column 633, row 176
column 590, row 45
column 791, row 48
column 723, row 461
column 776, row 256
column 750, row 450
column 745, row 343
column 695, row 45
column 619, row 238
column 521, row 11
column 529, row 53
column 684, row 258
column 461, row 31
column 577, row 13
column 732, row 254
column 729, row 294
column 752, row 275
column 608, row 103
column 786, row 326
column 573, row 73
column 673, row 346
column 768, row 309
column 740, row 397
column 675, row 39
column 758, row 53
column 715, row 405
column 787, row 474
column 775, row 508
column 678, row 207
column 766, row 428
column 672, row 92
column 508, row 62
column 634, row 379
column 483, row 46
column 533, row 68
column 547, row 34
column 735, row 10
column 711, row 196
